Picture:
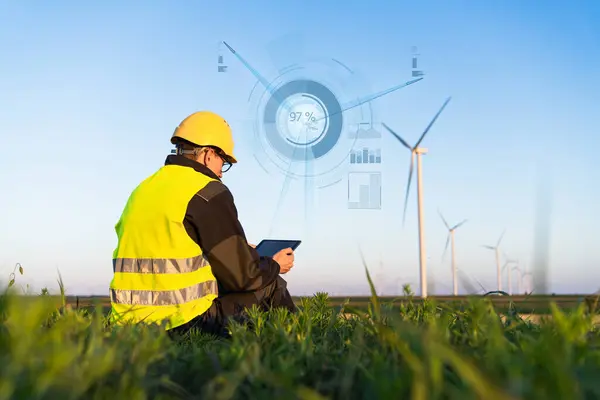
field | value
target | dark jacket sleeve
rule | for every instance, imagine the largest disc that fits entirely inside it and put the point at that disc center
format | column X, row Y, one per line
column 212, row 221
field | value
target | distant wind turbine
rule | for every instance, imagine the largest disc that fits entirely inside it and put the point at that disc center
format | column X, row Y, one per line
column 498, row 269
column 527, row 281
column 450, row 239
column 509, row 271
column 507, row 268
column 543, row 228
column 418, row 151
column 520, row 280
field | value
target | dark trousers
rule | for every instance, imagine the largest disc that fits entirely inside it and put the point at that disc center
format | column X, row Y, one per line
column 232, row 306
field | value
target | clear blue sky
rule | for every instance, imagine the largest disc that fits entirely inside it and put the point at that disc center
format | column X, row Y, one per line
column 91, row 92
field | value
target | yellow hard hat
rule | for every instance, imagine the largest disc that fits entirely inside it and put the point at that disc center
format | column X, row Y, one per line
column 205, row 128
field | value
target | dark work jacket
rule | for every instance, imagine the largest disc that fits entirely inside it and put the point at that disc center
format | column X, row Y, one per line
column 211, row 220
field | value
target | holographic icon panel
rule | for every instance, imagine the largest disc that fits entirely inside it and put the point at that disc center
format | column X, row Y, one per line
column 365, row 153
column 416, row 72
column 221, row 67
column 366, row 156
column 363, row 131
column 364, row 190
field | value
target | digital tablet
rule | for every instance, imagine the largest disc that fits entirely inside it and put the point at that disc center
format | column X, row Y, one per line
column 270, row 247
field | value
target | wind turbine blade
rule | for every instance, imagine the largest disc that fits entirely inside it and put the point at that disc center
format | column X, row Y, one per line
column 258, row 76
column 443, row 219
column 488, row 247
column 355, row 103
column 432, row 122
column 483, row 289
column 397, row 136
column 446, row 247
column 410, row 173
column 501, row 236
column 469, row 288
column 466, row 282
column 459, row 224
column 508, row 259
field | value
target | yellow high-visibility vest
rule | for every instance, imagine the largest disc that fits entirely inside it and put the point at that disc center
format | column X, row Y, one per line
column 160, row 273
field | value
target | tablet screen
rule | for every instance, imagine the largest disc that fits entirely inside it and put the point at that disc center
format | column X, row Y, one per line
column 268, row 248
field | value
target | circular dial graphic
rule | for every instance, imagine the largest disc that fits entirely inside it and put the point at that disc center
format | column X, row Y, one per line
column 303, row 120
column 306, row 121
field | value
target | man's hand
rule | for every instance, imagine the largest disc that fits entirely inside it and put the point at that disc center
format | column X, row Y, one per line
column 285, row 259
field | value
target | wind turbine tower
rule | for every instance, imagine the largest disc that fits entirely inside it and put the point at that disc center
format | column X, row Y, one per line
column 526, row 277
column 509, row 272
column 498, row 269
column 418, row 151
column 520, row 281
column 450, row 239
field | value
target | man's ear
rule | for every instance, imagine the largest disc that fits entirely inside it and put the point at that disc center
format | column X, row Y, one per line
column 200, row 154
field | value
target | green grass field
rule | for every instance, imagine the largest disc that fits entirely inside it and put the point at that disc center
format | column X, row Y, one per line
column 529, row 304
column 412, row 349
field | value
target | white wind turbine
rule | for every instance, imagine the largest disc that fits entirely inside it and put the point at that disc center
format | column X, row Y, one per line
column 509, row 272
column 527, row 281
column 520, row 280
column 450, row 239
column 498, row 269
column 418, row 151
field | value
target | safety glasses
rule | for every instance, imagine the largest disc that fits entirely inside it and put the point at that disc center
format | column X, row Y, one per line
column 226, row 163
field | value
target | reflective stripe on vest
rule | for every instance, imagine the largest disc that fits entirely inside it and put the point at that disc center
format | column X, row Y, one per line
column 159, row 266
column 163, row 298
column 160, row 273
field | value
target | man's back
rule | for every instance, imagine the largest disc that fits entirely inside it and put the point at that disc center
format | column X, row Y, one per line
column 159, row 271
column 158, row 207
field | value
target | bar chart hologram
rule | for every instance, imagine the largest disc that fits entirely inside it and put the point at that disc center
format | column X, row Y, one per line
column 364, row 190
column 365, row 156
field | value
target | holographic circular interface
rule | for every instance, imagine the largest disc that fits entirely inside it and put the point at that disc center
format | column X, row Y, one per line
column 309, row 115
column 309, row 119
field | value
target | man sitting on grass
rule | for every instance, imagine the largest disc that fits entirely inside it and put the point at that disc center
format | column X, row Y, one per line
column 182, row 255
